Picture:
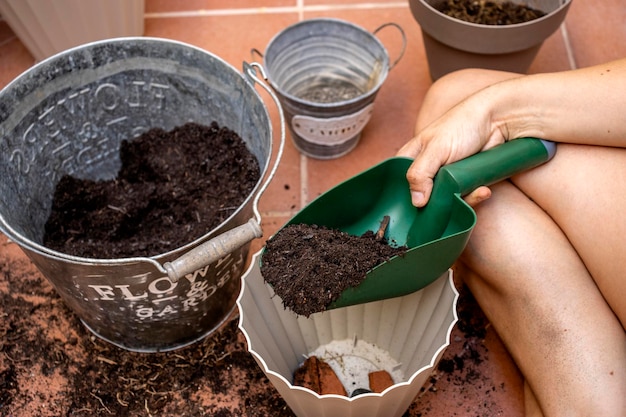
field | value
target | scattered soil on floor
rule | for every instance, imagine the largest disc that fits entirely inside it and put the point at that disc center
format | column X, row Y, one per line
column 486, row 12
column 309, row 266
column 473, row 327
column 466, row 376
column 51, row 366
column 173, row 188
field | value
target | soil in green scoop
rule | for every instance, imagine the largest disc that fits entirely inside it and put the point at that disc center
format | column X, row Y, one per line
column 309, row 266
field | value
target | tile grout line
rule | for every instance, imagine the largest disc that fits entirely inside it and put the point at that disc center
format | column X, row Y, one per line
column 279, row 213
column 568, row 47
column 304, row 181
column 300, row 9
column 8, row 40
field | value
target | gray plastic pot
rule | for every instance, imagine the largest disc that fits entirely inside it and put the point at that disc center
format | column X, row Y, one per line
column 452, row 44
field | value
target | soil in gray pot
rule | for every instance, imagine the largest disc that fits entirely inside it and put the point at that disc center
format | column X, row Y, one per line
column 487, row 12
column 330, row 91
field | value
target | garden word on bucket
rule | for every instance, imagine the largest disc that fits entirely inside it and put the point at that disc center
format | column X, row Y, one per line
column 68, row 115
column 327, row 73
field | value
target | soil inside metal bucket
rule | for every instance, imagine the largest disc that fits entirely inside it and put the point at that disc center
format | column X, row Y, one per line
column 330, row 91
column 173, row 188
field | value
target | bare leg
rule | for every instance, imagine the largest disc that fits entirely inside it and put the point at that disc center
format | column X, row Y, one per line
column 531, row 405
column 584, row 192
column 551, row 283
column 547, row 309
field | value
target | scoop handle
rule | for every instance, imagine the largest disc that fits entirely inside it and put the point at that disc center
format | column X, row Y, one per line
column 464, row 176
column 498, row 163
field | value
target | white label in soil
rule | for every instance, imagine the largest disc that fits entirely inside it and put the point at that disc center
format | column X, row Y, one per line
column 353, row 362
column 331, row 131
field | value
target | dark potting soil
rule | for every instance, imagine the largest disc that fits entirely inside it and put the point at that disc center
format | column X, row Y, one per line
column 50, row 365
column 173, row 188
column 486, row 12
column 309, row 266
column 330, row 91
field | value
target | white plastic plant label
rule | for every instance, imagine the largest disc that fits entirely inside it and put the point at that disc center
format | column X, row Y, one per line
column 334, row 130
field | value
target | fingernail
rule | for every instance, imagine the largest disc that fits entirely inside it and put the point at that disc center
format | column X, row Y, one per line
column 417, row 198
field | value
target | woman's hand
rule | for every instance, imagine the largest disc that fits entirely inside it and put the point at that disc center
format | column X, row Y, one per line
column 478, row 196
column 462, row 131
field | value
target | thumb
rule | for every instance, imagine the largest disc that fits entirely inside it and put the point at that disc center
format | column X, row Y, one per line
column 420, row 177
column 478, row 196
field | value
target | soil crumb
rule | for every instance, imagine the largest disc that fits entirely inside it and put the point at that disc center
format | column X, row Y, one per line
column 309, row 266
column 173, row 187
column 487, row 12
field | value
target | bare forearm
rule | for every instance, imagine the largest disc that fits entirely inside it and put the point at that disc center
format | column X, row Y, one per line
column 585, row 106
column 582, row 106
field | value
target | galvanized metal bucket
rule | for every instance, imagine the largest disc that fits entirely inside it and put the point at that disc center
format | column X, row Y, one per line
column 68, row 115
column 327, row 73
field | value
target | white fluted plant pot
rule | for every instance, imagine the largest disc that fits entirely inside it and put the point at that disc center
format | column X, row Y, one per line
column 47, row 27
column 405, row 336
column 452, row 44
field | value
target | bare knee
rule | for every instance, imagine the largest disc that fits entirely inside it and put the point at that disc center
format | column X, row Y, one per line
column 453, row 88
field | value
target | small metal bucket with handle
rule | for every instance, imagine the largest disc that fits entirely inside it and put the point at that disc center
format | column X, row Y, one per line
column 327, row 73
column 68, row 115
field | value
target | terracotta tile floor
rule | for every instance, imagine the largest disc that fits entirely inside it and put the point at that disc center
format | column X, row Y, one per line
column 592, row 33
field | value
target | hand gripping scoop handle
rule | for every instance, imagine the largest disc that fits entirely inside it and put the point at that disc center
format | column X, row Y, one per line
column 435, row 234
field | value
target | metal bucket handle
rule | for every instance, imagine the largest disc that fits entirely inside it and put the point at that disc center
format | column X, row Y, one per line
column 254, row 51
column 220, row 246
column 402, row 34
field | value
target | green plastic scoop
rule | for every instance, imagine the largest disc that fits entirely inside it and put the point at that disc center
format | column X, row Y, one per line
column 436, row 234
